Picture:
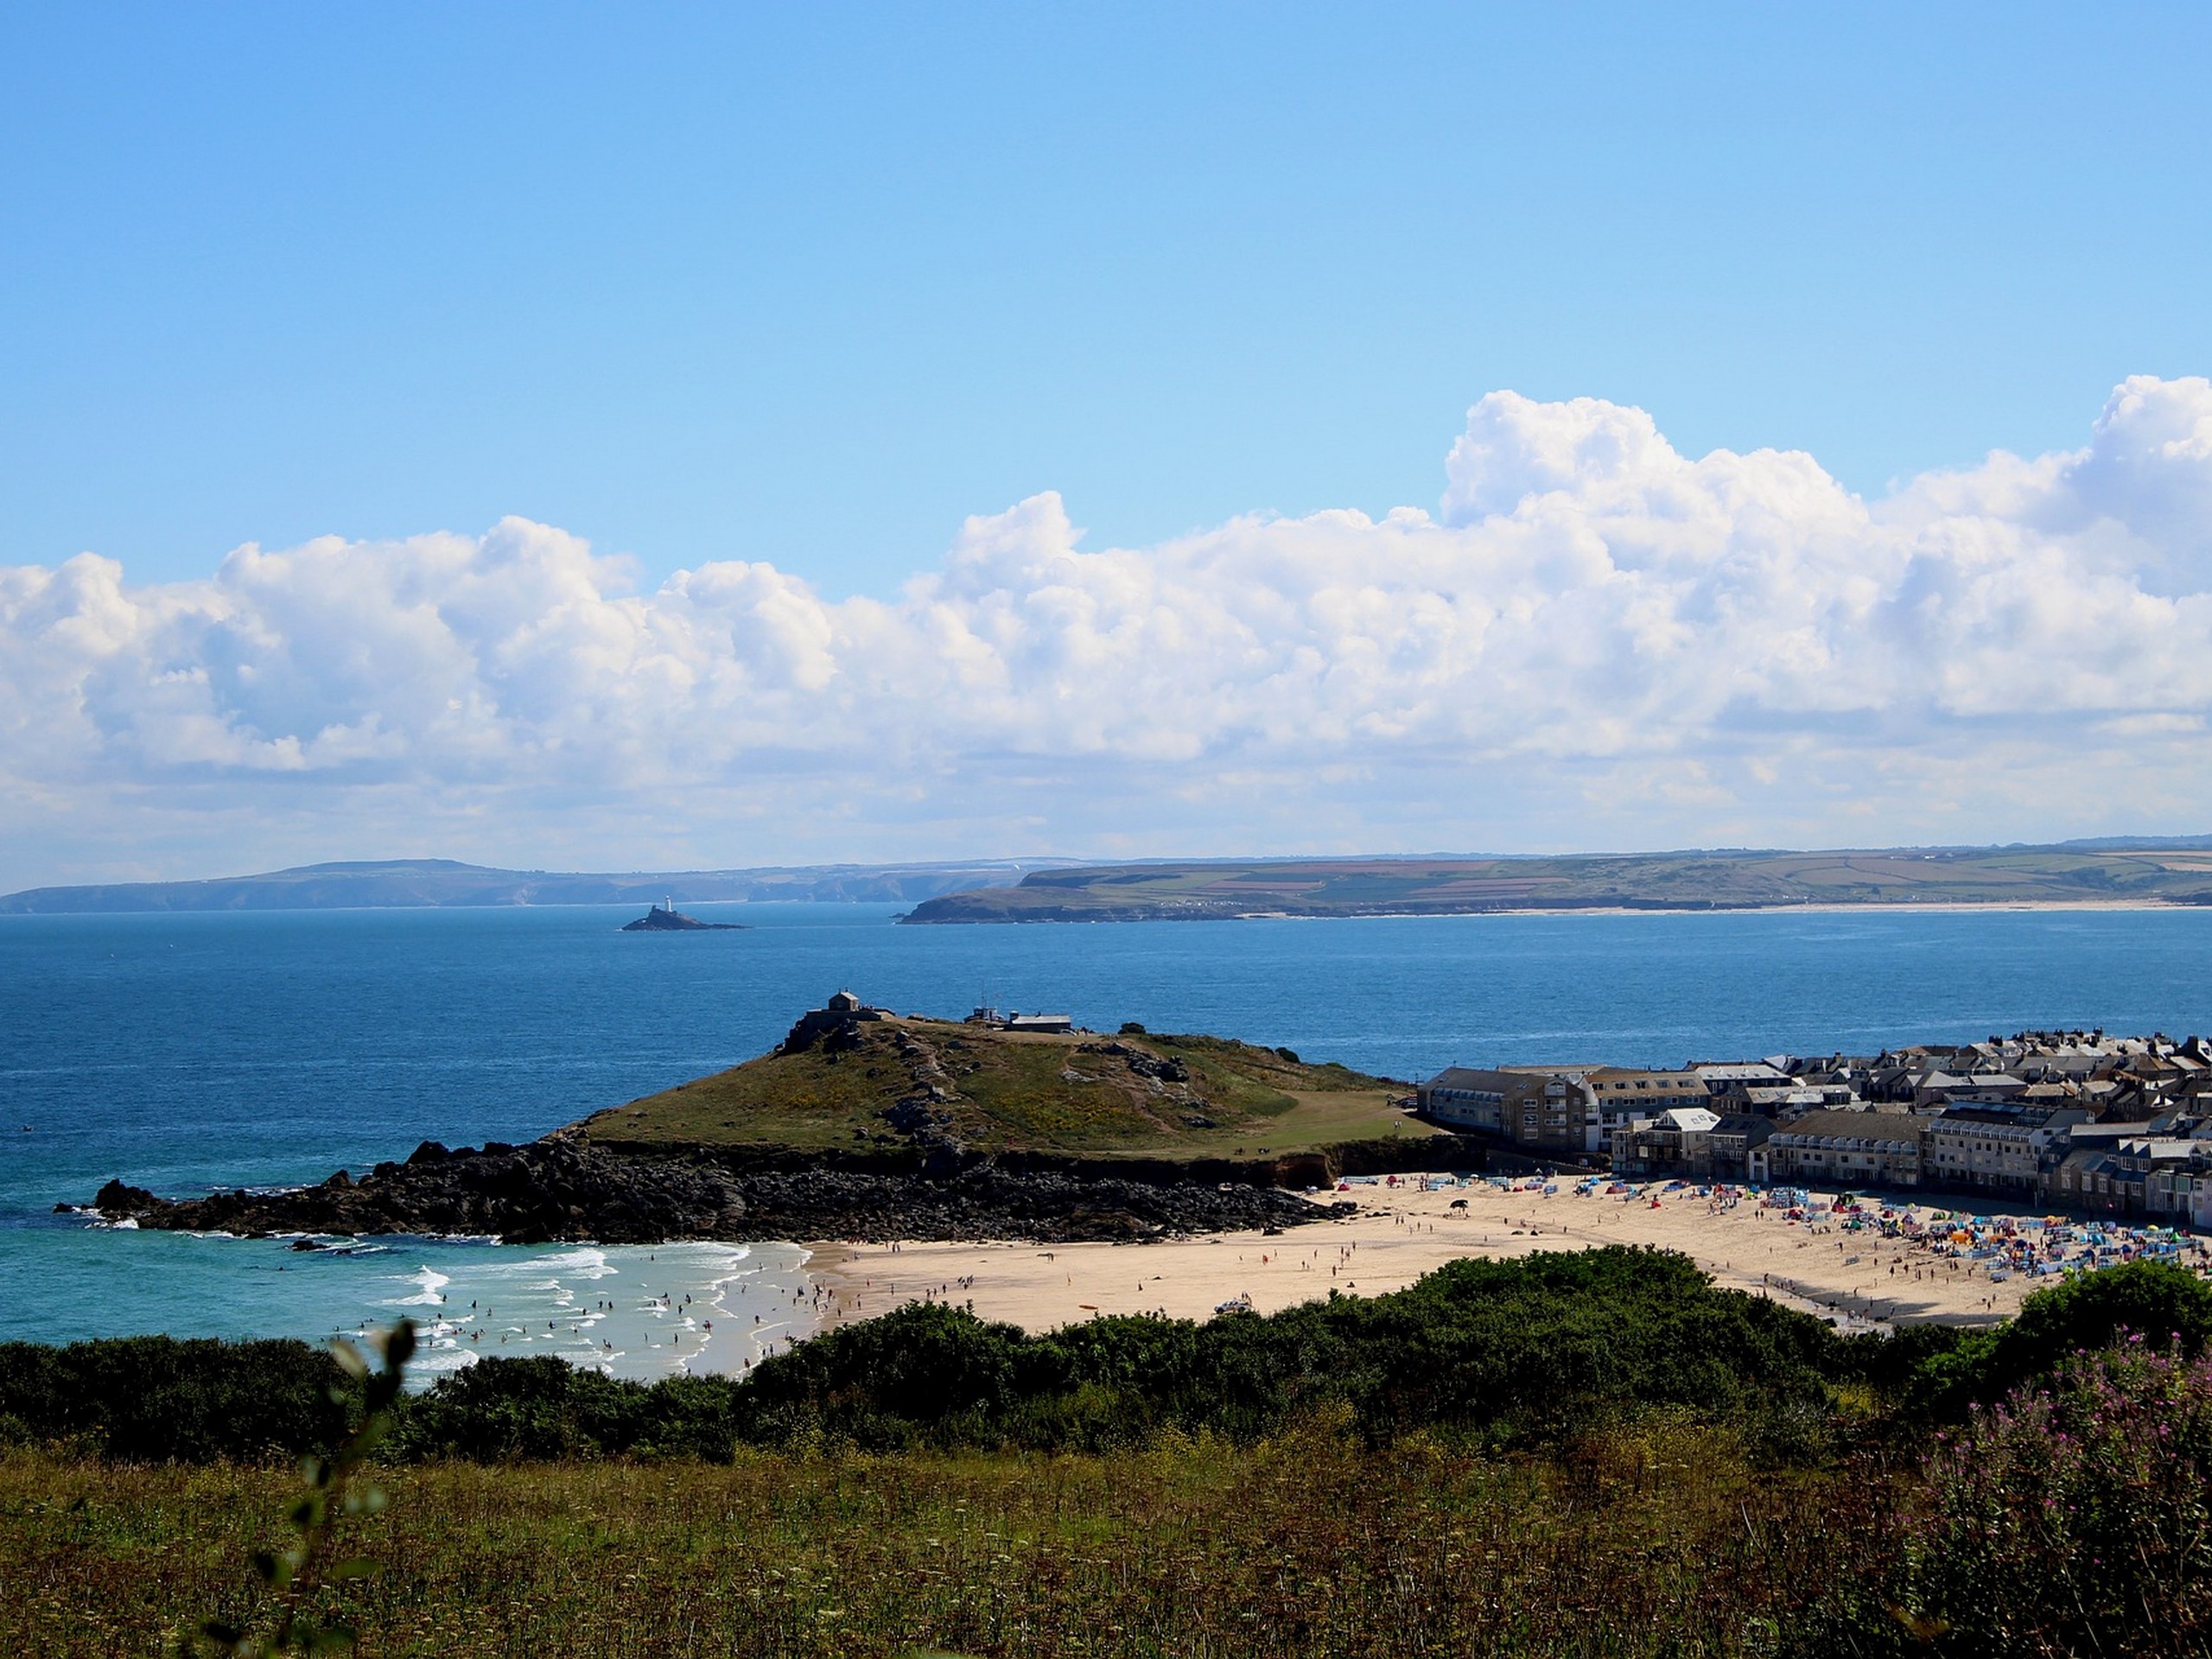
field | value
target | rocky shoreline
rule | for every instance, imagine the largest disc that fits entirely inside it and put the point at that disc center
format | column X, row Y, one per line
column 564, row 1189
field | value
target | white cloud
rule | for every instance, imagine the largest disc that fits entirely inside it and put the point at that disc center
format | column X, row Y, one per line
column 1596, row 641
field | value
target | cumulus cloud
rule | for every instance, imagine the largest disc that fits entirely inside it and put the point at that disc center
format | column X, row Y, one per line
column 1594, row 641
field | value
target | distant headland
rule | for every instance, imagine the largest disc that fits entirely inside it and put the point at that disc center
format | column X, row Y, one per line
column 2151, row 872
column 436, row 883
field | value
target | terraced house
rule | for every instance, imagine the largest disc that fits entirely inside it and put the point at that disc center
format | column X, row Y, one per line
column 2006, row 1150
column 1846, row 1149
column 1546, row 1111
column 2164, row 1177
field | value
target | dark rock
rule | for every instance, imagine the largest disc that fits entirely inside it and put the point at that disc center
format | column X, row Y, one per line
column 564, row 1189
column 834, row 1030
column 117, row 1200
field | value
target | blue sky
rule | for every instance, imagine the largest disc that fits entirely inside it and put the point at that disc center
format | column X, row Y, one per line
column 611, row 437
column 813, row 284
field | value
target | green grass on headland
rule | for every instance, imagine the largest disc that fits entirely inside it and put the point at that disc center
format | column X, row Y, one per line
column 1179, row 1098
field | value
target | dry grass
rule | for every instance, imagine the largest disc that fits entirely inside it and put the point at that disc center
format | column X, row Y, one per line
column 1021, row 1092
column 1650, row 1543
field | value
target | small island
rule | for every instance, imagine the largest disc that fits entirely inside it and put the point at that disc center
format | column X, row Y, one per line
column 666, row 918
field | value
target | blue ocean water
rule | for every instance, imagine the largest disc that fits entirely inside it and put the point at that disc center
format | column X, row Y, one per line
column 184, row 1052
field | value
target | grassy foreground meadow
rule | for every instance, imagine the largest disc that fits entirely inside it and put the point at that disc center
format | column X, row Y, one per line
column 1588, row 1453
column 1658, row 1540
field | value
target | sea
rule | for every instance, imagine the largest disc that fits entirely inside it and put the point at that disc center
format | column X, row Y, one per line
column 193, row 1052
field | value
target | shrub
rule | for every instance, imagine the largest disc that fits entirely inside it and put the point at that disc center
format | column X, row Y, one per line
column 1525, row 1351
column 2085, row 1313
column 536, row 1408
column 2077, row 1515
column 159, row 1399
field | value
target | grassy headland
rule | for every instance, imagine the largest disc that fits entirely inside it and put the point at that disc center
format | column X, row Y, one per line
column 868, row 1126
column 993, row 1091
column 1702, row 880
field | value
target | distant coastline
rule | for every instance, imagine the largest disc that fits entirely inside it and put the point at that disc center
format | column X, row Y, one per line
column 2160, row 877
column 437, row 883
column 2105, row 873
column 1920, row 907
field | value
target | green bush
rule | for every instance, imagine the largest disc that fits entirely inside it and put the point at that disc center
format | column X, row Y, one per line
column 160, row 1399
column 540, row 1408
column 2086, row 1313
column 1528, row 1351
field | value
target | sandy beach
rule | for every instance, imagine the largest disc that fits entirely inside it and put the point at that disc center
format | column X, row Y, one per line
column 1402, row 1232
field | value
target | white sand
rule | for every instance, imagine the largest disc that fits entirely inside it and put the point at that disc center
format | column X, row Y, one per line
column 1402, row 1233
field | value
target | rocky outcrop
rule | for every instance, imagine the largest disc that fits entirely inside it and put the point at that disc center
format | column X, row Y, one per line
column 553, row 1189
column 669, row 919
column 562, row 1188
column 835, row 1028
column 989, row 1201
column 1162, row 1068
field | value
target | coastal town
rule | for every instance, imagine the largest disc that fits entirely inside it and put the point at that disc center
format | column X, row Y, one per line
column 2079, row 1122
column 1940, row 1182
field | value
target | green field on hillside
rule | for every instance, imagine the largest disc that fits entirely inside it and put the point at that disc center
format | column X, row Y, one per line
column 1665, row 881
